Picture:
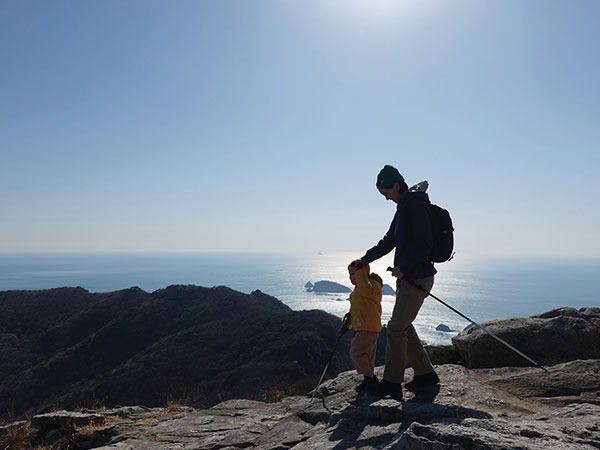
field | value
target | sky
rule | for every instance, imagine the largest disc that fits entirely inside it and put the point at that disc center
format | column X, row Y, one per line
column 238, row 125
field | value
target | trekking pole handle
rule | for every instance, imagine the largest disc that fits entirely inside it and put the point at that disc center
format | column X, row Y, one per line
column 499, row 339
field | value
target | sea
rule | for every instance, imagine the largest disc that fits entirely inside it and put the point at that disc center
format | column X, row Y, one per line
column 480, row 289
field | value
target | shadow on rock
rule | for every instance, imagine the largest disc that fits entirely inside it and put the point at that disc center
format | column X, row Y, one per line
column 375, row 421
column 355, row 427
column 426, row 395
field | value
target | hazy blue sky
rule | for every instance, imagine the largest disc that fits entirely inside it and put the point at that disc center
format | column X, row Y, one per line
column 261, row 125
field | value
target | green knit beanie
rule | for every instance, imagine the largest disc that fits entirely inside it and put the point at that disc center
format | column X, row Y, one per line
column 388, row 176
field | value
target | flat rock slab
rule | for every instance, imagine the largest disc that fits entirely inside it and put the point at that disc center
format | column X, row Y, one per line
column 487, row 409
column 573, row 427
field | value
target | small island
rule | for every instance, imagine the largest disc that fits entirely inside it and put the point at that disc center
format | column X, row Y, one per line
column 388, row 290
column 327, row 287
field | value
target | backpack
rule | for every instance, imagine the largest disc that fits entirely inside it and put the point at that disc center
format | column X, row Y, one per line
column 441, row 227
column 443, row 237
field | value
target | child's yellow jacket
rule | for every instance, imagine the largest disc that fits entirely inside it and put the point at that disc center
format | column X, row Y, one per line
column 365, row 302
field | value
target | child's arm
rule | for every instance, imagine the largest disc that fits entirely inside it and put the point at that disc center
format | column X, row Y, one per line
column 369, row 287
column 363, row 284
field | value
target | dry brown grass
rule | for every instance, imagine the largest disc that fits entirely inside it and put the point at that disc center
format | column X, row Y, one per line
column 16, row 437
column 148, row 421
column 173, row 406
column 20, row 438
column 23, row 437
column 272, row 395
column 86, row 430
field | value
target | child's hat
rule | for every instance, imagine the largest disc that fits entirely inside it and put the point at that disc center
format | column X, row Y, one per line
column 358, row 264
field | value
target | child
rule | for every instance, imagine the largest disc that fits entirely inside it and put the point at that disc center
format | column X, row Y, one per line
column 365, row 319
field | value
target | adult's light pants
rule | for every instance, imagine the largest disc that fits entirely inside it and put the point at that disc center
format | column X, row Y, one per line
column 403, row 343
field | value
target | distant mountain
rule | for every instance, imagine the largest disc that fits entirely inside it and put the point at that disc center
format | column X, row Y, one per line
column 71, row 348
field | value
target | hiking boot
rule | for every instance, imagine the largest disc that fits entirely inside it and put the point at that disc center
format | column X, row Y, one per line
column 367, row 381
column 385, row 388
column 421, row 381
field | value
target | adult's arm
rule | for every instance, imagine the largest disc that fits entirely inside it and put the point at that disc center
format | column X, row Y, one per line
column 383, row 247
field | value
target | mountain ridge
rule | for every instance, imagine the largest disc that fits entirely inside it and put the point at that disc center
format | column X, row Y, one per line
column 67, row 347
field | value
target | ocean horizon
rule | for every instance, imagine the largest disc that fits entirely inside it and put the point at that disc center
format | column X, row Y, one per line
column 481, row 289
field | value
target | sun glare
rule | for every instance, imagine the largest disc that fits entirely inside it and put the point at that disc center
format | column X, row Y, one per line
column 384, row 7
column 381, row 13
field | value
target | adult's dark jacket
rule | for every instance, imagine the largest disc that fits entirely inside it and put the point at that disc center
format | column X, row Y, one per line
column 410, row 234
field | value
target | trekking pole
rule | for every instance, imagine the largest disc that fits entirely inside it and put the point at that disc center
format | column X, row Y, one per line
column 499, row 339
column 327, row 365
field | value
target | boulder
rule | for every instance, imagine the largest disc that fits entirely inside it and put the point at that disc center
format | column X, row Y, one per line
column 557, row 336
column 442, row 354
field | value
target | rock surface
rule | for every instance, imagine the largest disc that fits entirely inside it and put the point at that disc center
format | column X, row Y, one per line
column 499, row 408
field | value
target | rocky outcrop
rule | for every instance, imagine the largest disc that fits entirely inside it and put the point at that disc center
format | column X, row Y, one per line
column 500, row 408
column 560, row 335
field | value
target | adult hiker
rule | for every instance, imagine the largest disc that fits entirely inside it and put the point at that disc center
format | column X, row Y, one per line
column 410, row 234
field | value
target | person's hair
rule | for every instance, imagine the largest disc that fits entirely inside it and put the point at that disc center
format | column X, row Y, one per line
column 403, row 186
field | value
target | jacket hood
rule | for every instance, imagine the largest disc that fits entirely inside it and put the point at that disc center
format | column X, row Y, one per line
column 415, row 197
